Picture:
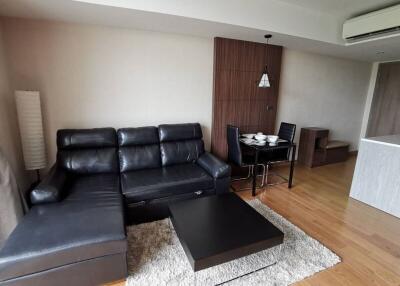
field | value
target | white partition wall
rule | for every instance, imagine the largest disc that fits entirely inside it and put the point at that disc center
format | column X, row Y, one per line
column 376, row 180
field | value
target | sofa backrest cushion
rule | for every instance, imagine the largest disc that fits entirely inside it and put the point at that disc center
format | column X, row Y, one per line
column 180, row 143
column 139, row 148
column 87, row 151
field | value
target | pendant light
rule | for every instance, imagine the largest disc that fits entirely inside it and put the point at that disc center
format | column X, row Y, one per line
column 264, row 81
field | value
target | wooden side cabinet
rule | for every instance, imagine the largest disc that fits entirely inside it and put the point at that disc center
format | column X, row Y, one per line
column 312, row 146
column 316, row 150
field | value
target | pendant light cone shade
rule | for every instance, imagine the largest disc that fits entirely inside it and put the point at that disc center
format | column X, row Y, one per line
column 31, row 129
column 264, row 81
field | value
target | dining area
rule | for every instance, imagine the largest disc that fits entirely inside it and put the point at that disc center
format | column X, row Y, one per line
column 245, row 107
column 255, row 152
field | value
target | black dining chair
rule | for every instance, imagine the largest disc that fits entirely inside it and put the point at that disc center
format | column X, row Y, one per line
column 237, row 157
column 287, row 131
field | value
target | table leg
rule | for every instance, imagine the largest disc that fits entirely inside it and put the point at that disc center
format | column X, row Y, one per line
column 255, row 171
column 292, row 166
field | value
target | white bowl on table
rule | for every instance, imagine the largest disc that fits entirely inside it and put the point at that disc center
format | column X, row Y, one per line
column 248, row 136
column 272, row 138
column 247, row 140
column 261, row 137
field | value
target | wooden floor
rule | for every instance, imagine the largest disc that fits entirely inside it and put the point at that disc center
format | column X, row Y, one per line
column 367, row 240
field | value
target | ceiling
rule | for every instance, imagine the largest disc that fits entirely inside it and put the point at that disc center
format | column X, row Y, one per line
column 245, row 19
column 343, row 9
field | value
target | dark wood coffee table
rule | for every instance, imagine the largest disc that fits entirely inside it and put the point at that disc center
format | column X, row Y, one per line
column 218, row 229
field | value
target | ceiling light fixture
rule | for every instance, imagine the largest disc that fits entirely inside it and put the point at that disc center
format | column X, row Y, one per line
column 264, row 81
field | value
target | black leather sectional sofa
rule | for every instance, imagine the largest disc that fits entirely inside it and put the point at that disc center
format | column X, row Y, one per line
column 75, row 232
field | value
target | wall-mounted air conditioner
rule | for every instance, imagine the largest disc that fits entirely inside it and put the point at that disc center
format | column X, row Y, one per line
column 375, row 24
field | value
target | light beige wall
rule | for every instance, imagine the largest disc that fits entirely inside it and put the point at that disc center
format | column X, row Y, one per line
column 323, row 91
column 9, row 135
column 92, row 76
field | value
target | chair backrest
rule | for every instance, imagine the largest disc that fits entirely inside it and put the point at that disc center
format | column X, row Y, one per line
column 287, row 131
column 234, row 150
column 139, row 148
column 87, row 151
column 180, row 143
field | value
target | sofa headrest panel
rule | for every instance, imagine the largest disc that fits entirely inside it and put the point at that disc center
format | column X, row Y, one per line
column 88, row 151
column 139, row 148
column 86, row 138
column 89, row 161
column 137, row 136
column 178, row 132
column 181, row 152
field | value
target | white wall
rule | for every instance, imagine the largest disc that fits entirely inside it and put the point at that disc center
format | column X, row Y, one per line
column 9, row 135
column 92, row 76
column 323, row 91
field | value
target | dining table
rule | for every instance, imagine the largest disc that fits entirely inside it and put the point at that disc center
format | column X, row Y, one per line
column 270, row 147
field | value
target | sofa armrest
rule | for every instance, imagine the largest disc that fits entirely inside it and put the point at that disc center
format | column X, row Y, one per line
column 50, row 189
column 214, row 166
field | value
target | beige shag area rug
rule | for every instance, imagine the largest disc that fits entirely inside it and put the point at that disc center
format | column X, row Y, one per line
column 155, row 257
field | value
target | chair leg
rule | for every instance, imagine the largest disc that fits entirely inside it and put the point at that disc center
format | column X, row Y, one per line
column 285, row 180
column 251, row 172
column 265, row 182
column 263, row 176
column 282, row 177
column 248, row 175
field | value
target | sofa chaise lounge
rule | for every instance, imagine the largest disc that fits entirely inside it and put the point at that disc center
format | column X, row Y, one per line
column 75, row 232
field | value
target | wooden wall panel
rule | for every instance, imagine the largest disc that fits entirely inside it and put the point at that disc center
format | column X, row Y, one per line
column 237, row 99
column 384, row 117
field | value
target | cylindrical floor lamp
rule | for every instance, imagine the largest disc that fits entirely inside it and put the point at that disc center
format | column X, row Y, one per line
column 31, row 130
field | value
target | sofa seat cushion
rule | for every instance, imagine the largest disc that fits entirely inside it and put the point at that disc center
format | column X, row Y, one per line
column 87, row 224
column 164, row 182
column 92, row 188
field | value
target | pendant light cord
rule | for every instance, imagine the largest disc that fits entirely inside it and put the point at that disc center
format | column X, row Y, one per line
column 268, row 36
column 266, row 55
